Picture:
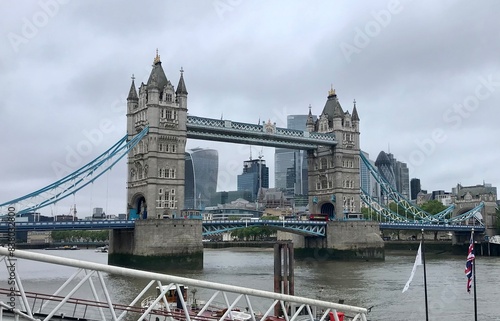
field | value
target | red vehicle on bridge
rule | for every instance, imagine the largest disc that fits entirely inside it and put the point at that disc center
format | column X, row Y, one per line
column 318, row 217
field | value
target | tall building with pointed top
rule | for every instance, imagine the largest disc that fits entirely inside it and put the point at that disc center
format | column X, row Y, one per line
column 334, row 179
column 155, row 185
column 396, row 173
column 385, row 168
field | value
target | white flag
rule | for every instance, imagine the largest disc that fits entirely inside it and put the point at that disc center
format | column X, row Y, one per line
column 418, row 261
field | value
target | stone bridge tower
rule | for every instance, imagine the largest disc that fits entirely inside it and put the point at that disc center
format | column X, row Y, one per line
column 334, row 171
column 466, row 198
column 155, row 184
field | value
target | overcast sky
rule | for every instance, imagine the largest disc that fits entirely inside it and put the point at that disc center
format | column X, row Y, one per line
column 425, row 75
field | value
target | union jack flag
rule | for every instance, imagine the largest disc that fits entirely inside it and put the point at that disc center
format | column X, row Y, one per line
column 469, row 263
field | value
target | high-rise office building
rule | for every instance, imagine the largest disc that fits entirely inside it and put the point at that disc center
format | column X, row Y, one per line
column 396, row 173
column 284, row 160
column 415, row 188
column 367, row 182
column 402, row 174
column 384, row 166
column 201, row 170
column 255, row 175
column 290, row 164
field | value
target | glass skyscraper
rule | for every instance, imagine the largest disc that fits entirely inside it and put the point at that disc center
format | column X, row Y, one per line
column 255, row 175
column 368, row 183
column 202, row 166
column 290, row 168
column 394, row 172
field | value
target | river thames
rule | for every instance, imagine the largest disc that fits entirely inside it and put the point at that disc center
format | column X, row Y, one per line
column 367, row 284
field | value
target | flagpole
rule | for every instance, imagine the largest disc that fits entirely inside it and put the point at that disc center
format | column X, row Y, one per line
column 474, row 274
column 425, row 278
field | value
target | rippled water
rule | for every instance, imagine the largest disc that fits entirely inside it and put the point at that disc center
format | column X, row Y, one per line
column 368, row 284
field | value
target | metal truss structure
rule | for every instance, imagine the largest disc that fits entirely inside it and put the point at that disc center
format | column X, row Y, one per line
column 69, row 225
column 75, row 181
column 307, row 228
column 236, row 303
column 413, row 214
column 432, row 227
column 262, row 135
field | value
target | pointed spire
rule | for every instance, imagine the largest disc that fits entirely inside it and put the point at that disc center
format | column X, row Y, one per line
column 157, row 78
column 132, row 94
column 355, row 116
column 310, row 119
column 181, row 87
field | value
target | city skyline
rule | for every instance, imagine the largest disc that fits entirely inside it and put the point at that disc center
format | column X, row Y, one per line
column 418, row 85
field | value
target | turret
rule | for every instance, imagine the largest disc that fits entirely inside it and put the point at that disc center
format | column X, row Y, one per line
column 132, row 105
column 181, row 92
column 132, row 99
column 310, row 121
column 156, row 82
column 355, row 117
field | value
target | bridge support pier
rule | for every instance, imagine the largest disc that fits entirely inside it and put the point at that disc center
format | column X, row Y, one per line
column 345, row 240
column 157, row 244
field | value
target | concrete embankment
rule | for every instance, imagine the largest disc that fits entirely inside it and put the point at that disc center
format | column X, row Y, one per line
column 437, row 247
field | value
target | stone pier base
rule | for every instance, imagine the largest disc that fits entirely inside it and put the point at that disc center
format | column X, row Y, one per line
column 345, row 240
column 158, row 245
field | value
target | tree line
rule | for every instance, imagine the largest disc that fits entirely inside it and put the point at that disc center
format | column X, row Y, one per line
column 80, row 236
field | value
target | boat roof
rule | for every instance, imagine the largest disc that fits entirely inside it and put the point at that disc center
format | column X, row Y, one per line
column 172, row 286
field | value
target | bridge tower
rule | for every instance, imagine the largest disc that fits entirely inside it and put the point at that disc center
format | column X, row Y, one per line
column 334, row 171
column 155, row 184
column 466, row 198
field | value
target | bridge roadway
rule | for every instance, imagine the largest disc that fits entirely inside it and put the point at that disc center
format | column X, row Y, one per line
column 309, row 228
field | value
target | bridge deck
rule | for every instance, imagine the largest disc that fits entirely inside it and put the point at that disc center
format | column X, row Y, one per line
column 310, row 228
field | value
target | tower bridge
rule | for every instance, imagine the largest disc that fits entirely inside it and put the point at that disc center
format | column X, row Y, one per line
column 158, row 127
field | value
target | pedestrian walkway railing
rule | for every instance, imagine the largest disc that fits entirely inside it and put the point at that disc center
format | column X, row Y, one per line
column 193, row 300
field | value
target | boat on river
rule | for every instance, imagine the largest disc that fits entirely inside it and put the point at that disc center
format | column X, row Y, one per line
column 102, row 249
column 171, row 303
column 66, row 247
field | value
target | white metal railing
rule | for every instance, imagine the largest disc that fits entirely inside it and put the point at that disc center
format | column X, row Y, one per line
column 239, row 303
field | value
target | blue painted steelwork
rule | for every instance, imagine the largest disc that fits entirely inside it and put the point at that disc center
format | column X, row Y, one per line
column 309, row 228
column 432, row 227
column 69, row 225
column 416, row 214
column 263, row 135
column 75, row 181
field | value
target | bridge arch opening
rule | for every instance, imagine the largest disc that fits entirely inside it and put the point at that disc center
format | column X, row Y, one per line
column 138, row 209
column 328, row 208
